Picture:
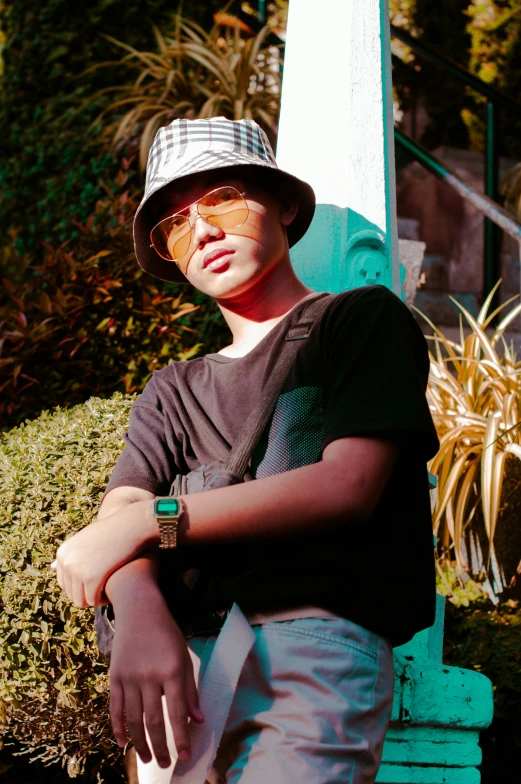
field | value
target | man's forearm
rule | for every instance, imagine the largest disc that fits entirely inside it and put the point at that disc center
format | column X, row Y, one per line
column 135, row 575
column 325, row 494
column 344, row 486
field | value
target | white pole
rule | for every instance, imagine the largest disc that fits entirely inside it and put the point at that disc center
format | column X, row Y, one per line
column 336, row 123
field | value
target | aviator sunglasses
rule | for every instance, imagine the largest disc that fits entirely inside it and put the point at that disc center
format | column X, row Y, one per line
column 224, row 207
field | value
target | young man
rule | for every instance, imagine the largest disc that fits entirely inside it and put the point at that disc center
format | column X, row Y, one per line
column 328, row 552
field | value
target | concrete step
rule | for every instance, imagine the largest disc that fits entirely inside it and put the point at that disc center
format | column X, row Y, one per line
column 452, row 228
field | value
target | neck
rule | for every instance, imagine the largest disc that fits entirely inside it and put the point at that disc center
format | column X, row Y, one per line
column 252, row 314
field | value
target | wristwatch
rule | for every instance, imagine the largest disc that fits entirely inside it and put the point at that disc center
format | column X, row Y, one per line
column 167, row 510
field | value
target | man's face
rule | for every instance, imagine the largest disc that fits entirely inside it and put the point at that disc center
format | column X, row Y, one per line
column 227, row 262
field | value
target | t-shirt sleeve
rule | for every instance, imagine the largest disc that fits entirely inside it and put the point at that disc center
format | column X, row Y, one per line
column 376, row 367
column 146, row 460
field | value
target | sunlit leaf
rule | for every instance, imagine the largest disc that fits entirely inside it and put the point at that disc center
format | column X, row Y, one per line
column 474, row 394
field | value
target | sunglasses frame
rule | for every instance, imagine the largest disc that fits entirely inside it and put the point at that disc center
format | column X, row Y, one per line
column 197, row 201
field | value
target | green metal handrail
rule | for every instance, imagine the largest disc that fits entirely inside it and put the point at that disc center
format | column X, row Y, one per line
column 494, row 97
column 484, row 204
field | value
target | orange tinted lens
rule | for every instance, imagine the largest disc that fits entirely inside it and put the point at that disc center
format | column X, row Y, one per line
column 180, row 246
column 224, row 207
column 171, row 237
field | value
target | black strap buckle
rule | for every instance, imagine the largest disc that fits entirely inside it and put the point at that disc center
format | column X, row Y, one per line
column 299, row 331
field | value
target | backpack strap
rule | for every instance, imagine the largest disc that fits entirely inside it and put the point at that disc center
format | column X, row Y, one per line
column 298, row 330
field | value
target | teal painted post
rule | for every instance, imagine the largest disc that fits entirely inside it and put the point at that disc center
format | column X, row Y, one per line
column 437, row 714
column 336, row 132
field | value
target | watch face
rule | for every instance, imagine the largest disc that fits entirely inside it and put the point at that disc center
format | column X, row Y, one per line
column 167, row 506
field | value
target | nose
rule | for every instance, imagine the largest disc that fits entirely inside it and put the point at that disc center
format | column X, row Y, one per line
column 203, row 230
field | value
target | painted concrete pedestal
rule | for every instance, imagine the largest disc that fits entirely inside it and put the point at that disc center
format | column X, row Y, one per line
column 437, row 714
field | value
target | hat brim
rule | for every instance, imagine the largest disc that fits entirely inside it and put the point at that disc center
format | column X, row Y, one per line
column 150, row 261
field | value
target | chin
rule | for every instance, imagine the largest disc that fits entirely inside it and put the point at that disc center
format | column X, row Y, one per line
column 227, row 284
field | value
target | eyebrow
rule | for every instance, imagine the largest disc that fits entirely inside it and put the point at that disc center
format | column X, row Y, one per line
column 167, row 211
column 171, row 209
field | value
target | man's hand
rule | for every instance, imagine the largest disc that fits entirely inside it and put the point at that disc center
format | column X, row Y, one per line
column 149, row 659
column 85, row 561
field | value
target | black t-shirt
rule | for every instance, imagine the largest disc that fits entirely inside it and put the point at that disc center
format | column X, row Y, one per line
column 361, row 372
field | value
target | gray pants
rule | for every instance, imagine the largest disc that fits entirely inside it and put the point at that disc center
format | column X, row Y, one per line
column 312, row 704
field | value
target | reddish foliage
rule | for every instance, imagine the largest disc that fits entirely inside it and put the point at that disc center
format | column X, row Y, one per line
column 86, row 321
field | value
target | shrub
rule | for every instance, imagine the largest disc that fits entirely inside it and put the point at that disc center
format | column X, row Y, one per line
column 458, row 588
column 53, row 685
column 474, row 393
column 87, row 320
column 488, row 639
column 480, row 35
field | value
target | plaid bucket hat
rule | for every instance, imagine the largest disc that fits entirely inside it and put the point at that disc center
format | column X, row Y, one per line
column 186, row 147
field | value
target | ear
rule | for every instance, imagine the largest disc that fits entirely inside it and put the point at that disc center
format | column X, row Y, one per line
column 288, row 208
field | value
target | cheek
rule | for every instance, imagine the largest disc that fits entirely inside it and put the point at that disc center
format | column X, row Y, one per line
column 266, row 233
column 264, row 242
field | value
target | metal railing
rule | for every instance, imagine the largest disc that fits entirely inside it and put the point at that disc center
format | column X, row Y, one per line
column 495, row 98
column 490, row 209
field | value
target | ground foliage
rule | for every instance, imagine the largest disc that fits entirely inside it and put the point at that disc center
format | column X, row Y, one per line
column 87, row 320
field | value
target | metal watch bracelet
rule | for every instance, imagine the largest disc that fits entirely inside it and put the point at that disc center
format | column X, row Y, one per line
column 167, row 510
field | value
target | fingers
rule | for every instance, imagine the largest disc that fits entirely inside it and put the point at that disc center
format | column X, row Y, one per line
column 192, row 695
column 78, row 597
column 178, row 715
column 117, row 708
column 155, row 689
column 134, row 715
column 131, row 703
column 59, row 573
column 74, row 589
column 155, row 724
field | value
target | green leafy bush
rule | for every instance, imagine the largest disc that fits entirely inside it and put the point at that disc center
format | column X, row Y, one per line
column 87, row 320
column 458, row 587
column 488, row 639
column 53, row 686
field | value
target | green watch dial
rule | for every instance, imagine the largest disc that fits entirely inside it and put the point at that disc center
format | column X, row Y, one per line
column 167, row 506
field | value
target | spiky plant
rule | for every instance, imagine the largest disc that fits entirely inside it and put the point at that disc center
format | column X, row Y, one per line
column 474, row 394
column 193, row 74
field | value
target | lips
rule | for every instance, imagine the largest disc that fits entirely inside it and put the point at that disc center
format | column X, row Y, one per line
column 216, row 254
